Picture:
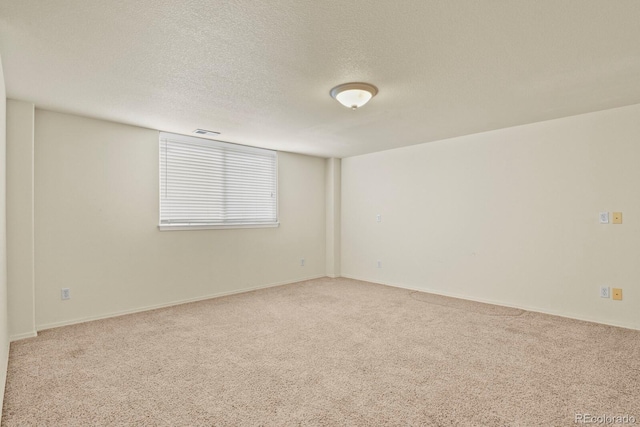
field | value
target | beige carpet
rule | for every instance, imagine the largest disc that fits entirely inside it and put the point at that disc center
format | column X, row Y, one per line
column 324, row 352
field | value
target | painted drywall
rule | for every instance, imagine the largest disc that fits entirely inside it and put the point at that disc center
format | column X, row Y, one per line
column 508, row 216
column 4, row 323
column 332, row 188
column 96, row 217
column 20, row 261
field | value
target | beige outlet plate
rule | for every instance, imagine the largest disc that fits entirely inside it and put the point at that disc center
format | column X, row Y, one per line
column 617, row 217
column 617, row 293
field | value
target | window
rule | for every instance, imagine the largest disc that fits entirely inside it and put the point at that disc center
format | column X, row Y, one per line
column 213, row 184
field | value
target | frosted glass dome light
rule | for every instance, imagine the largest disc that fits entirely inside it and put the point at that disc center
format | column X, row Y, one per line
column 353, row 95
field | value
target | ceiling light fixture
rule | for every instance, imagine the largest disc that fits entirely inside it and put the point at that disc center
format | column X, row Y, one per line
column 353, row 95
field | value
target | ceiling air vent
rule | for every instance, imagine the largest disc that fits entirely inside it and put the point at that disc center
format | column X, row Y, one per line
column 205, row 132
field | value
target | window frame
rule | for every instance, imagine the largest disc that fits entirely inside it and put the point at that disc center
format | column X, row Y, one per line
column 212, row 226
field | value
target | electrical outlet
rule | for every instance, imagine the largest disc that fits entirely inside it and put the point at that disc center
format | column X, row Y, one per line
column 65, row 293
column 604, row 292
column 379, row 264
column 301, row 262
column 604, row 217
column 378, row 218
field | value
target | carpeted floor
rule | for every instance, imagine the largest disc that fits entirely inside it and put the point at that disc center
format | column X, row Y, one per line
column 324, row 352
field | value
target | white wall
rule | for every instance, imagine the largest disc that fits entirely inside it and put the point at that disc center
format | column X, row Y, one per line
column 20, row 257
column 508, row 216
column 332, row 186
column 4, row 328
column 96, row 216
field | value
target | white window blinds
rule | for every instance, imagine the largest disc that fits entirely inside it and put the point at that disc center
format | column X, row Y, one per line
column 213, row 183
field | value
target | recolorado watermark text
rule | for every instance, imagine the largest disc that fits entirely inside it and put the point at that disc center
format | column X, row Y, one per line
column 604, row 419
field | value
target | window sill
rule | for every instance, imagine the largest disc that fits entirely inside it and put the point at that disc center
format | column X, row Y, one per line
column 177, row 227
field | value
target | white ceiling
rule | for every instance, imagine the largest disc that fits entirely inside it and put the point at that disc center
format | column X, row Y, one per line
column 260, row 72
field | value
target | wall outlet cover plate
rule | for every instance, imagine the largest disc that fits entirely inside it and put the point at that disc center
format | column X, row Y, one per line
column 617, row 294
column 617, row 217
column 604, row 217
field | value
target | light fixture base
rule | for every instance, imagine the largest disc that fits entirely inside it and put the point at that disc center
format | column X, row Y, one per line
column 354, row 95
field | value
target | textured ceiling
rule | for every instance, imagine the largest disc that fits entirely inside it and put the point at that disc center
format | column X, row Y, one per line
column 260, row 72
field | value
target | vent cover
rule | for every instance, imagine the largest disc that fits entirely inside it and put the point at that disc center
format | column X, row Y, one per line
column 205, row 132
